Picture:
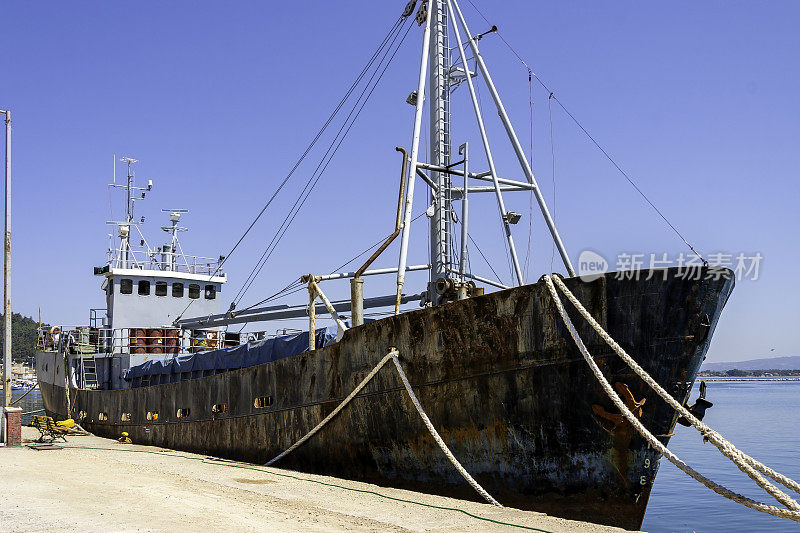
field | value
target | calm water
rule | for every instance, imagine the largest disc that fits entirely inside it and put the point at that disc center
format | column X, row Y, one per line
column 763, row 419
column 31, row 402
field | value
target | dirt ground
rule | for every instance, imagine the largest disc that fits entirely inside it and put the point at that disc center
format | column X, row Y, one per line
column 119, row 488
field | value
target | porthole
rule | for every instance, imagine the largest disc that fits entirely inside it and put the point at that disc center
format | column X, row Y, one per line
column 262, row 401
column 183, row 413
column 102, row 416
column 152, row 415
column 220, row 408
column 126, row 417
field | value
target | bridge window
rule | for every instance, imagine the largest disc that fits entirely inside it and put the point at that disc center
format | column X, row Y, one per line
column 177, row 290
column 194, row 291
column 211, row 292
column 144, row 287
column 161, row 288
column 125, row 286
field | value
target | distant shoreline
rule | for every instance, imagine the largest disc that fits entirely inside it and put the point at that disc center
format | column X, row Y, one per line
column 748, row 378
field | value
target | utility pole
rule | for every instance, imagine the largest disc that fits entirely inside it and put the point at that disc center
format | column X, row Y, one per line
column 7, row 271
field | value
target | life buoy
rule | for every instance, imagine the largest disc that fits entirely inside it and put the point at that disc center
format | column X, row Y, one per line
column 55, row 332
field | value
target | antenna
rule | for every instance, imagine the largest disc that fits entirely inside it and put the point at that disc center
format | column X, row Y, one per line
column 123, row 227
column 169, row 251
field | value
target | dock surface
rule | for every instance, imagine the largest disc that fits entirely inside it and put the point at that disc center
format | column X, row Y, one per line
column 96, row 484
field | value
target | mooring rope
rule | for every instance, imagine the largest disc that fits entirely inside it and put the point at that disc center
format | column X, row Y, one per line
column 393, row 355
column 26, row 393
column 714, row 437
column 793, row 513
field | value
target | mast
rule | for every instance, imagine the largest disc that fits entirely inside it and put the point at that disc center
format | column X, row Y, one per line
column 125, row 230
column 439, row 106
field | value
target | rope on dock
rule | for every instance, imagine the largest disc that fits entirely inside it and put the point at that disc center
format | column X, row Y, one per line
column 744, row 462
column 393, row 355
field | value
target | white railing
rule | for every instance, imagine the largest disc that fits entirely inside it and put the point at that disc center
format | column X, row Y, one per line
column 169, row 261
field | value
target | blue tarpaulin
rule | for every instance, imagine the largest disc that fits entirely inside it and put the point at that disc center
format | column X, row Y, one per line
column 206, row 363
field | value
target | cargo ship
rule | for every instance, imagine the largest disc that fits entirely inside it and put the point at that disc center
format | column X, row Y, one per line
column 496, row 371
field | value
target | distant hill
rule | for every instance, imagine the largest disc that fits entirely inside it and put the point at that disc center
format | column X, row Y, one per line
column 770, row 363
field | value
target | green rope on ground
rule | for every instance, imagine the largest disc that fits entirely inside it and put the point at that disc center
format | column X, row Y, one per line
column 365, row 491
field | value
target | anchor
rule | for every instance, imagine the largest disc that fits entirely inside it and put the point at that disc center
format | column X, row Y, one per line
column 699, row 407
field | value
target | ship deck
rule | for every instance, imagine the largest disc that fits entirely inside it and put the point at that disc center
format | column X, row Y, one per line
column 98, row 484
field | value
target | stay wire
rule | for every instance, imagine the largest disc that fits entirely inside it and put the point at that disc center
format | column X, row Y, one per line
column 292, row 287
column 484, row 257
column 390, row 37
column 335, row 149
column 591, row 138
column 308, row 149
column 530, row 156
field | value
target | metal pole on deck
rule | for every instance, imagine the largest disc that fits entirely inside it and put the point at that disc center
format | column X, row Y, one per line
column 312, row 318
column 7, row 272
column 412, row 169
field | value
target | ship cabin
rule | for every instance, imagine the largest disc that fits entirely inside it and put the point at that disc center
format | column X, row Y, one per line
column 146, row 292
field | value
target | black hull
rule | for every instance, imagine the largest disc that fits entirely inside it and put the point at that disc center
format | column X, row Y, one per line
column 499, row 377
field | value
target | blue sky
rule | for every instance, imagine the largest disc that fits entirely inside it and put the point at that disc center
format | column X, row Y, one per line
column 697, row 101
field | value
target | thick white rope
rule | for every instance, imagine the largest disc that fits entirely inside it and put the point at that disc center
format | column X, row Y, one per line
column 435, row 434
column 335, row 411
column 654, row 442
column 725, row 446
column 438, row 439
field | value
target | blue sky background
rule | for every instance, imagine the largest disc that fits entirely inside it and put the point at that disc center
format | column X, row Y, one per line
column 697, row 101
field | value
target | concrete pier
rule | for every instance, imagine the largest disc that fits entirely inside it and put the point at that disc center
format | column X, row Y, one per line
column 96, row 484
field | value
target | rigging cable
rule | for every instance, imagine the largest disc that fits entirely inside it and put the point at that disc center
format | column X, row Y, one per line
column 591, row 138
column 393, row 35
column 530, row 156
column 296, row 285
column 323, row 165
column 484, row 257
column 348, row 93
column 502, row 226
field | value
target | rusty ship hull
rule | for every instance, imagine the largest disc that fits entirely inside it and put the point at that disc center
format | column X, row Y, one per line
column 497, row 374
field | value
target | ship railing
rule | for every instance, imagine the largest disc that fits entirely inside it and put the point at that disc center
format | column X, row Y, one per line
column 166, row 261
column 168, row 341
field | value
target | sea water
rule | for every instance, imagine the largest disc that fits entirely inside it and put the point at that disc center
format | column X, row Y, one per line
column 760, row 418
column 31, row 404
